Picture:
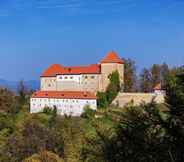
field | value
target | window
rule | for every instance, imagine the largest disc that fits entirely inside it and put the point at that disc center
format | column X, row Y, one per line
column 60, row 77
column 49, row 85
column 71, row 77
column 92, row 77
column 66, row 77
column 86, row 77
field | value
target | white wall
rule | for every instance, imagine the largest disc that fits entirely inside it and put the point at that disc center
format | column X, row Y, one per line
column 73, row 107
column 65, row 78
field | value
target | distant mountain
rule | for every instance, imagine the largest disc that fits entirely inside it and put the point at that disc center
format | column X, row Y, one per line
column 13, row 85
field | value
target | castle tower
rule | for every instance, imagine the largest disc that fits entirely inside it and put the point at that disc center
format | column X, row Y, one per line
column 111, row 63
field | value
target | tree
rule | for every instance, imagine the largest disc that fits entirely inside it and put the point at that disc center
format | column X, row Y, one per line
column 175, row 123
column 101, row 100
column 141, row 135
column 137, row 137
column 22, row 93
column 113, row 88
column 44, row 156
column 164, row 74
column 155, row 75
column 8, row 103
column 104, row 99
column 145, row 81
column 130, row 76
column 30, row 139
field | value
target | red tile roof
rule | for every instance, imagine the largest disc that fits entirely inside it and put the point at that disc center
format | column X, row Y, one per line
column 55, row 69
column 112, row 57
column 158, row 87
column 64, row 95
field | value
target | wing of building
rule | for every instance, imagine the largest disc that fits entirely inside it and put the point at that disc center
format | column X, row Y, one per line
column 71, row 88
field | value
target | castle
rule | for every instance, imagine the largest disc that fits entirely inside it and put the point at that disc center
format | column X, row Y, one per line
column 90, row 78
column 70, row 89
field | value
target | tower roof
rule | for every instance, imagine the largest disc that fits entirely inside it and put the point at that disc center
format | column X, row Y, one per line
column 112, row 57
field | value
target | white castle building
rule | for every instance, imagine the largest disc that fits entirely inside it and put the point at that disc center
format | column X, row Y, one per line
column 70, row 89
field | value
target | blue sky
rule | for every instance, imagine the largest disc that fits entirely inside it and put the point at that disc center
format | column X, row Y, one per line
column 37, row 33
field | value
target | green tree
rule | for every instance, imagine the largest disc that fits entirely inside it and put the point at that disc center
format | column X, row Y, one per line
column 130, row 76
column 175, row 123
column 104, row 99
column 113, row 87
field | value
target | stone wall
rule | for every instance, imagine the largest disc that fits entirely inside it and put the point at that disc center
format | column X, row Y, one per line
column 124, row 98
column 48, row 83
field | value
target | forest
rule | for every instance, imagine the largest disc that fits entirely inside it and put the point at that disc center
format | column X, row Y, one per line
column 145, row 133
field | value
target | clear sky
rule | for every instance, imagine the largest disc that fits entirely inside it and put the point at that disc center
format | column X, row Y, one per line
column 37, row 33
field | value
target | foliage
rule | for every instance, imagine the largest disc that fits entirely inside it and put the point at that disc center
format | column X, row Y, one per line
column 102, row 100
column 113, row 88
column 144, row 133
column 175, row 123
column 106, row 98
column 130, row 80
column 44, row 156
column 8, row 103
column 88, row 112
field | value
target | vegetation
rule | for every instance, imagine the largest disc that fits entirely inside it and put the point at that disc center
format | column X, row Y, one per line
column 106, row 98
column 144, row 133
column 130, row 79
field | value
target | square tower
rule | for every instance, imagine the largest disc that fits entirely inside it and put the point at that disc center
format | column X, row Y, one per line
column 109, row 64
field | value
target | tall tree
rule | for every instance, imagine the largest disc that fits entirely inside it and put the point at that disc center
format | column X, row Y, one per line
column 8, row 102
column 145, row 81
column 22, row 93
column 113, row 87
column 130, row 76
column 164, row 74
column 155, row 74
column 175, row 101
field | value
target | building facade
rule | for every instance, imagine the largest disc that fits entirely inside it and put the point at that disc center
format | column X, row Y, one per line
column 70, row 89
column 67, row 103
column 90, row 78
